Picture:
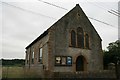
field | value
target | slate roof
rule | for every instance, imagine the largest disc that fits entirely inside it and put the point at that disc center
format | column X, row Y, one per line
column 38, row 38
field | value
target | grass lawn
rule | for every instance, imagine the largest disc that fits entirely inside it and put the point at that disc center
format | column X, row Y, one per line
column 13, row 72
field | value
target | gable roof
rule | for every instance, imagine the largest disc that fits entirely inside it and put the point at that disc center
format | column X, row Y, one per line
column 46, row 32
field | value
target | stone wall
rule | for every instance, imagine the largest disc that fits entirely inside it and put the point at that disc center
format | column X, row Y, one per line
column 95, row 74
column 43, row 43
column 60, row 42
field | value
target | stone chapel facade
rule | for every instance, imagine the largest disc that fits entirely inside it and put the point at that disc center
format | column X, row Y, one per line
column 70, row 45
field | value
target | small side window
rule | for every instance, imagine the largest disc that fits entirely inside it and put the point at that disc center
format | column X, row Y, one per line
column 33, row 57
column 40, row 55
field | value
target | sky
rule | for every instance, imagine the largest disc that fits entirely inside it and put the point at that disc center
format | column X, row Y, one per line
column 22, row 21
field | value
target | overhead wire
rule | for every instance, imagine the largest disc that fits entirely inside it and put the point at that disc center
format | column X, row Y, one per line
column 115, row 11
column 109, row 11
column 88, row 16
column 53, row 4
column 28, row 10
column 49, row 16
column 101, row 21
column 107, row 7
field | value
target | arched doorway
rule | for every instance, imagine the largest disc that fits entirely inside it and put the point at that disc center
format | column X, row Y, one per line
column 81, row 63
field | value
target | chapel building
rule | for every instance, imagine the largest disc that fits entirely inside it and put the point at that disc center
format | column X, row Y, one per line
column 70, row 45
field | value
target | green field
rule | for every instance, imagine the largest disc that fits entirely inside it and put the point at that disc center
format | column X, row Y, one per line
column 13, row 72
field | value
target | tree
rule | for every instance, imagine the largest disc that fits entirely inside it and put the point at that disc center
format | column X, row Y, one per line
column 13, row 62
column 113, row 55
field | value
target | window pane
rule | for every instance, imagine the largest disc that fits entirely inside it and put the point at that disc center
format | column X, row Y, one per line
column 58, row 60
column 86, row 41
column 27, row 58
column 40, row 55
column 73, row 38
column 64, row 60
column 40, row 52
column 80, row 37
column 33, row 56
column 69, row 60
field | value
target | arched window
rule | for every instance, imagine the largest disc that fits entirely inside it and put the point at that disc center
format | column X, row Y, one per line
column 80, row 37
column 73, row 38
column 86, row 40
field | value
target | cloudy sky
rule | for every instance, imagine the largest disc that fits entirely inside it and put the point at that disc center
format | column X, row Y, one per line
column 24, row 21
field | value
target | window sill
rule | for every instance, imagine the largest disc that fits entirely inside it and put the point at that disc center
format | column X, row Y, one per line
column 63, row 65
column 80, row 48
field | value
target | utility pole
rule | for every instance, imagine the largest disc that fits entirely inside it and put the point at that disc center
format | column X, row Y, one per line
column 116, row 67
column 119, row 21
